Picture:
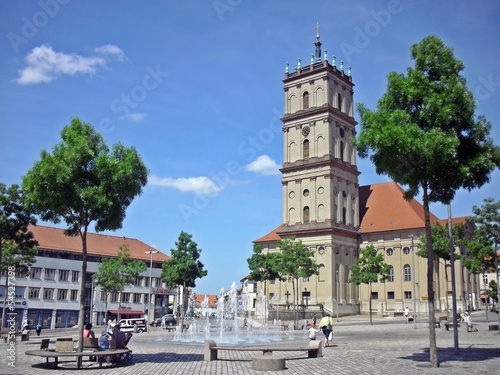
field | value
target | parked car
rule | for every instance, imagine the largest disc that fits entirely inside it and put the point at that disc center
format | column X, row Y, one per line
column 169, row 320
column 128, row 325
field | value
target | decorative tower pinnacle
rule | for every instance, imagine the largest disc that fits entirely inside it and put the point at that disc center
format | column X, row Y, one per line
column 317, row 44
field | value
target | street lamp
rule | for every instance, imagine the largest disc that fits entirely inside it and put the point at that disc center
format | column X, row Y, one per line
column 414, row 281
column 150, row 252
column 337, row 292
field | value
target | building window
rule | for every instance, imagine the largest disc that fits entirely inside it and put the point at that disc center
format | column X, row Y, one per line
column 390, row 295
column 146, row 281
column 306, row 149
column 36, row 273
column 406, row 250
column 50, row 274
column 75, row 275
column 73, row 295
column 390, row 276
column 113, row 297
column 374, row 295
column 407, row 272
column 305, row 279
column 125, row 297
column 104, row 296
column 272, row 282
column 389, row 251
column 305, row 100
column 342, row 150
column 146, row 297
column 306, row 215
column 62, row 294
column 137, row 297
column 407, row 294
column 339, row 102
column 63, row 275
column 138, row 281
column 48, row 293
column 344, row 215
column 33, row 292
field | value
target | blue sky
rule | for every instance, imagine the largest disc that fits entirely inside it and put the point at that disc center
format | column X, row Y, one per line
column 197, row 88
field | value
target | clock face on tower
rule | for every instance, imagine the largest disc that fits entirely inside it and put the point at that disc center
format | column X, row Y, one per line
column 305, row 131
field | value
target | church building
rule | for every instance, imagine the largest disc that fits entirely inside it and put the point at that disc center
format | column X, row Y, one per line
column 325, row 208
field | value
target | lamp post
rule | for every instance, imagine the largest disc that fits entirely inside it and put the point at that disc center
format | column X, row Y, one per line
column 150, row 252
column 485, row 282
column 414, row 282
column 337, row 292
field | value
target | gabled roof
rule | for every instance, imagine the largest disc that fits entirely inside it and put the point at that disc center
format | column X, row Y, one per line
column 271, row 236
column 97, row 244
column 212, row 300
column 383, row 208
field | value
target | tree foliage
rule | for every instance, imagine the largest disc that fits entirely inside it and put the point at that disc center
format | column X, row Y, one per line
column 183, row 268
column 425, row 135
column 370, row 267
column 17, row 244
column 115, row 273
column 82, row 182
column 263, row 266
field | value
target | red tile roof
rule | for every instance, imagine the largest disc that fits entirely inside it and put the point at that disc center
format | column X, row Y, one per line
column 97, row 244
column 383, row 208
column 271, row 236
column 212, row 300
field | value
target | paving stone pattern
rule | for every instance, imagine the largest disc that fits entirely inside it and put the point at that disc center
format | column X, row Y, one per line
column 388, row 346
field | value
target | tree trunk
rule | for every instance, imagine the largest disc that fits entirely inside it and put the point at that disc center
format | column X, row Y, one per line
column 430, row 282
column 81, row 316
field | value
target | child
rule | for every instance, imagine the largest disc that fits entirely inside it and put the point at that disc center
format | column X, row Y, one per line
column 312, row 332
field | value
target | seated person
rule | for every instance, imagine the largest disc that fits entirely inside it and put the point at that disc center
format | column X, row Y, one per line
column 87, row 332
column 119, row 337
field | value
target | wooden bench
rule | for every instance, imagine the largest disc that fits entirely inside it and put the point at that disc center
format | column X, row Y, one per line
column 314, row 349
column 50, row 353
column 6, row 333
column 448, row 324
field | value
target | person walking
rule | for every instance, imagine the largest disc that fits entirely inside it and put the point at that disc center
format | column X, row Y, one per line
column 38, row 329
column 326, row 325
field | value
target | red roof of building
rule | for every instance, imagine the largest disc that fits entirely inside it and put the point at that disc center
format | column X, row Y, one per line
column 97, row 244
column 212, row 300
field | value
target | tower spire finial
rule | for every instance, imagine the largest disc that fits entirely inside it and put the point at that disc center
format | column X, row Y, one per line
column 317, row 44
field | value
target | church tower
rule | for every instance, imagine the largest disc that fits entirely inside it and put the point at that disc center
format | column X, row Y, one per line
column 320, row 176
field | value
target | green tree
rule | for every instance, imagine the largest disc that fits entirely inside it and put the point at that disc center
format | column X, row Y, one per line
column 83, row 182
column 295, row 261
column 115, row 273
column 183, row 268
column 369, row 268
column 487, row 220
column 424, row 135
column 17, row 245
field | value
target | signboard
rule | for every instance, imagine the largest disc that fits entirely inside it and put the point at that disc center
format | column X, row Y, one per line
column 425, row 298
column 164, row 291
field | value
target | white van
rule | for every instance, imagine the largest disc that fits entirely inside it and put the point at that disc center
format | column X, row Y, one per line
column 128, row 325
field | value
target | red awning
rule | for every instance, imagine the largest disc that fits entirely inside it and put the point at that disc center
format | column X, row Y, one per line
column 127, row 312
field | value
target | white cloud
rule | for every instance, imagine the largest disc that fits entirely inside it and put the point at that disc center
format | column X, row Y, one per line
column 198, row 185
column 263, row 165
column 137, row 116
column 43, row 64
column 110, row 49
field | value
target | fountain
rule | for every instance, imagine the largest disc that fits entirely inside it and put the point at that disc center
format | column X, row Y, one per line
column 233, row 323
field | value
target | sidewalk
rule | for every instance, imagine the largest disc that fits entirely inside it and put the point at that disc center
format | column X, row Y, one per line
column 388, row 346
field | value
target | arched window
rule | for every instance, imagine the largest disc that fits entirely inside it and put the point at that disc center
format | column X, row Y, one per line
column 342, row 150
column 344, row 216
column 305, row 100
column 390, row 276
column 305, row 149
column 407, row 272
column 339, row 102
column 306, row 214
